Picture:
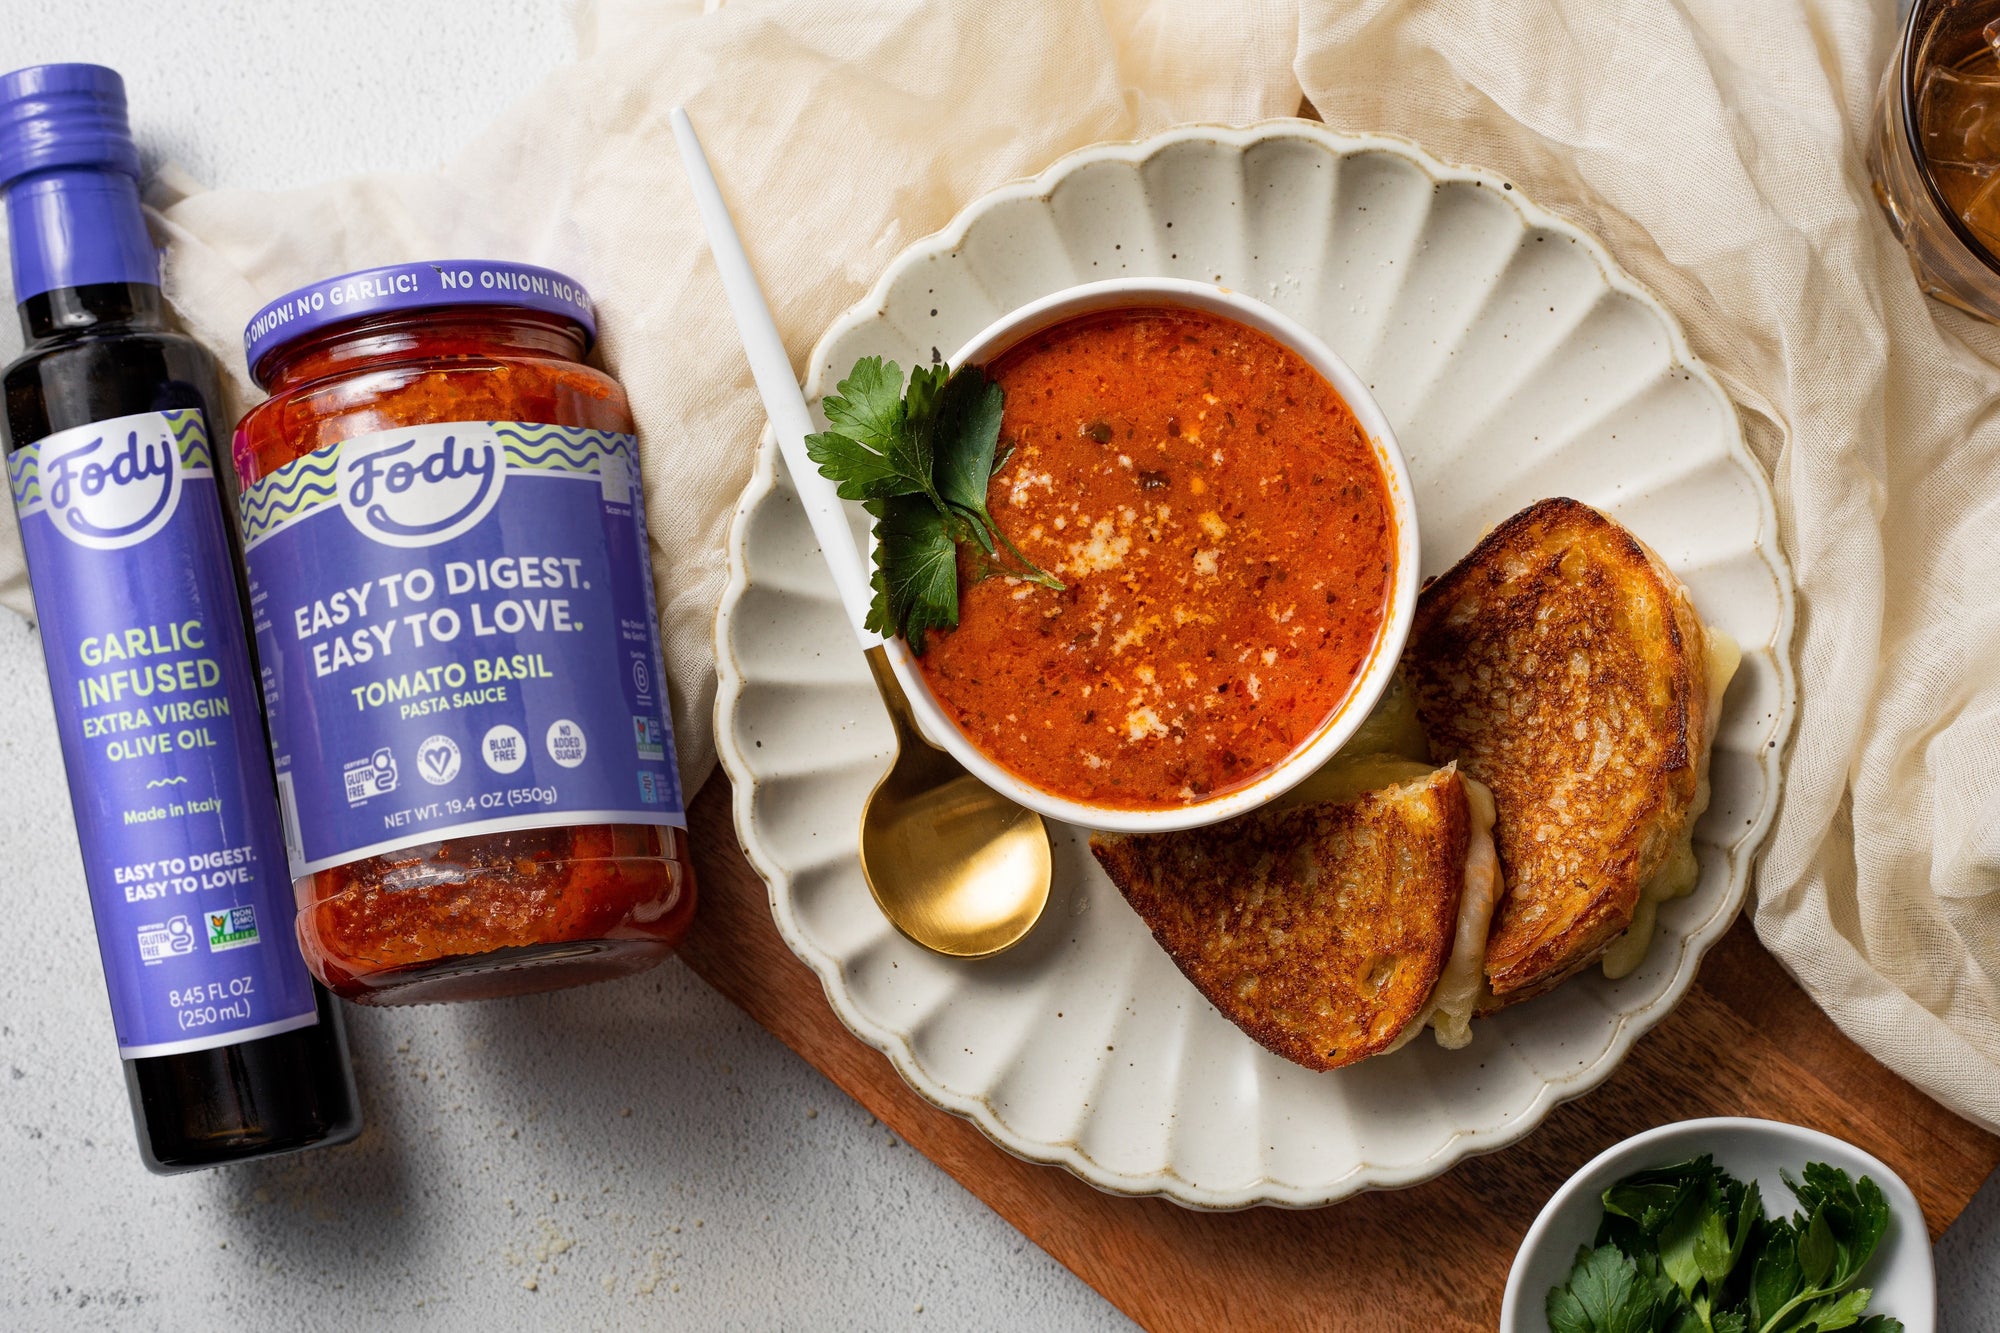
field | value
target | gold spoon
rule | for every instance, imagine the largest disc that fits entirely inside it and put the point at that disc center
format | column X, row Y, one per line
column 953, row 864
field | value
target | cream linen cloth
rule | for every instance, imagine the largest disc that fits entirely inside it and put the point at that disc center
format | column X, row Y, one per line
column 1715, row 145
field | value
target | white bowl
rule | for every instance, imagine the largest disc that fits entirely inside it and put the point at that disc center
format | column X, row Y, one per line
column 1900, row 1271
column 1153, row 293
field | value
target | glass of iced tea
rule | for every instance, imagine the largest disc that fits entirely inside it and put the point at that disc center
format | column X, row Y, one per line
column 1935, row 153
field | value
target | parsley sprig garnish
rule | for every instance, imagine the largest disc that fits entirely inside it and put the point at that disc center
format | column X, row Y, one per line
column 1687, row 1249
column 919, row 460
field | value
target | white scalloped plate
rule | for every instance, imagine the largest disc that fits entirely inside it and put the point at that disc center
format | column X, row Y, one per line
column 1516, row 362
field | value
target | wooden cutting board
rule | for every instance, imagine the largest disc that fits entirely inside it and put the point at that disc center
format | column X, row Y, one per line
column 1745, row 1041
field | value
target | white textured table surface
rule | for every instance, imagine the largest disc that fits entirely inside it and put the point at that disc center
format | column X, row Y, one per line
column 631, row 1152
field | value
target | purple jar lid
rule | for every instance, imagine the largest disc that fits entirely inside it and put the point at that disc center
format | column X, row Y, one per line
column 433, row 285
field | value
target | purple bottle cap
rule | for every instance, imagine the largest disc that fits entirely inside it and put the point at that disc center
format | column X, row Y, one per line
column 431, row 285
column 71, row 176
column 64, row 116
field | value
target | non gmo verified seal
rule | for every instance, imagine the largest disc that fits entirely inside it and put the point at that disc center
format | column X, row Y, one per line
column 231, row 928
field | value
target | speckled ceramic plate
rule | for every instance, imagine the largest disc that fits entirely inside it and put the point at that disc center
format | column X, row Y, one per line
column 1516, row 362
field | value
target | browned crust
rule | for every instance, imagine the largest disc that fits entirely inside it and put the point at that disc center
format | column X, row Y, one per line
column 1320, row 930
column 1562, row 663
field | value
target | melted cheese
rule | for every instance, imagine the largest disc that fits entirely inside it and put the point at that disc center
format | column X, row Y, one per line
column 1679, row 872
column 1347, row 776
column 1388, row 750
column 1448, row 1012
column 1464, row 977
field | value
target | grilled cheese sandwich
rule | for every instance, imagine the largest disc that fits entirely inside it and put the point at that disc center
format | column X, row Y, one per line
column 1562, row 663
column 1329, row 929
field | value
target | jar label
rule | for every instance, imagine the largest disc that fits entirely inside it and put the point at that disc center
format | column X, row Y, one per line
column 457, row 632
column 156, row 705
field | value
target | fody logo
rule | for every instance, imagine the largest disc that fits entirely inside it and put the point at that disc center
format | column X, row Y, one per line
column 112, row 484
column 423, row 484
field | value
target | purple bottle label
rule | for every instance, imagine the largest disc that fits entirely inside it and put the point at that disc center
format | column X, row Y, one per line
column 157, row 708
column 457, row 633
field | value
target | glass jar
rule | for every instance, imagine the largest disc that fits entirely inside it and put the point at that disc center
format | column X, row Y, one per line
column 1935, row 150
column 455, row 626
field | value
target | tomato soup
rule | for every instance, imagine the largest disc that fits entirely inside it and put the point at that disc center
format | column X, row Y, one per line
column 1226, row 540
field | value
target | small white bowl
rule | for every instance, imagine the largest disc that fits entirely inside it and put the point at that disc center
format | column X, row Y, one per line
column 1900, row 1271
column 1143, row 293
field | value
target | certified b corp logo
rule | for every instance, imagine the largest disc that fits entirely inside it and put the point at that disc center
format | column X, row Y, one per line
column 113, row 484
column 421, row 485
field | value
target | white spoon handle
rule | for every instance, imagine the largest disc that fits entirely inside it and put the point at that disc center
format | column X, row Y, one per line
column 784, row 403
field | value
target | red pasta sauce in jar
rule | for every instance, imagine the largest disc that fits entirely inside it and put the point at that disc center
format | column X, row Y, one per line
column 447, row 553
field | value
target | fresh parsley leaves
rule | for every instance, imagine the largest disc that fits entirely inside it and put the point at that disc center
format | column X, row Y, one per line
column 870, row 446
column 920, row 460
column 1687, row 1249
column 1606, row 1294
column 916, row 569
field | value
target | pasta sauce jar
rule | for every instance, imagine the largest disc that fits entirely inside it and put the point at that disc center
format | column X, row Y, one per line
column 447, row 553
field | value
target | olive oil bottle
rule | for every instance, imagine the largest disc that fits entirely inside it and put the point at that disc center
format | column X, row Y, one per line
column 111, row 433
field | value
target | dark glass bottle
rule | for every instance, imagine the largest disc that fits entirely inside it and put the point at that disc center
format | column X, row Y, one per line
column 147, row 642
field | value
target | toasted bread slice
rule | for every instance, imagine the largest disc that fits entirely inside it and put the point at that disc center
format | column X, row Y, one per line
column 1321, row 930
column 1562, row 664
